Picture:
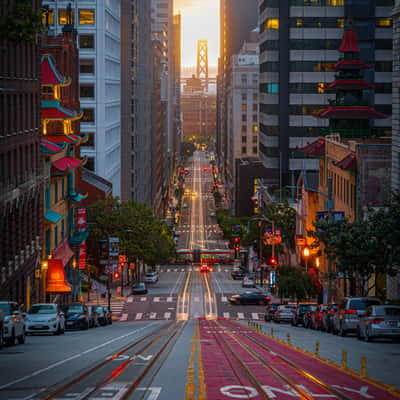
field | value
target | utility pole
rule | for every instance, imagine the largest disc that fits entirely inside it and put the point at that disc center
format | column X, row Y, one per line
column 329, row 209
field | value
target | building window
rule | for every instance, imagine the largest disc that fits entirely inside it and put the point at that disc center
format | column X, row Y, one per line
column 48, row 198
column 384, row 22
column 255, row 139
column 244, row 128
column 47, row 242
column 62, row 16
column 90, row 140
column 255, row 128
column 243, row 150
column 244, row 107
column 86, row 17
column 272, row 23
column 255, row 107
column 62, row 229
column 255, row 118
column 48, row 17
column 63, row 188
column 88, row 115
column 86, row 90
column 90, row 164
column 86, row 41
column 244, row 139
column 255, row 149
column 321, row 87
column 243, row 78
column 86, row 66
column 244, row 117
column 244, row 96
column 255, row 98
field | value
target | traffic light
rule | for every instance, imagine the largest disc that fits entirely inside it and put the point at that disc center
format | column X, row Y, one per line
column 116, row 275
column 273, row 261
column 236, row 240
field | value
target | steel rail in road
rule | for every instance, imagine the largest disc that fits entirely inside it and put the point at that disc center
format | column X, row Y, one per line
column 153, row 336
column 183, row 301
column 209, row 299
column 256, row 350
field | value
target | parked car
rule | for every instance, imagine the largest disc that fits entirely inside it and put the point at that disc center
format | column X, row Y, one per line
column 76, row 316
column 103, row 315
column 44, row 318
column 308, row 316
column 108, row 314
column 316, row 317
column 151, row 277
column 379, row 322
column 237, row 274
column 13, row 323
column 299, row 313
column 248, row 282
column 212, row 214
column 270, row 311
column 250, row 298
column 1, row 328
column 139, row 288
column 93, row 317
column 327, row 317
column 349, row 312
column 284, row 313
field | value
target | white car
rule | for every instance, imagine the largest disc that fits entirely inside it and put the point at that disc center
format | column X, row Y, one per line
column 13, row 323
column 45, row 318
column 151, row 277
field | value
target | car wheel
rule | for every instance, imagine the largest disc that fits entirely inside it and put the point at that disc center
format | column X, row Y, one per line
column 21, row 338
column 11, row 341
column 62, row 331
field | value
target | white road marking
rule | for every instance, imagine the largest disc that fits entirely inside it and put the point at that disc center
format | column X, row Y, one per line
column 153, row 315
column 167, row 315
column 226, row 315
column 176, row 270
column 169, row 300
column 254, row 315
column 65, row 360
column 124, row 317
column 240, row 315
column 168, row 270
column 139, row 316
column 143, row 298
column 156, row 299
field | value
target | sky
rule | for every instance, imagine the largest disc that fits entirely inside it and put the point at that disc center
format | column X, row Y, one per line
column 200, row 20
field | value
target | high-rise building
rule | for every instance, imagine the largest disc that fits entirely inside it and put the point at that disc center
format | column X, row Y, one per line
column 242, row 110
column 177, row 89
column 22, row 174
column 238, row 19
column 99, row 39
column 299, row 44
column 396, row 99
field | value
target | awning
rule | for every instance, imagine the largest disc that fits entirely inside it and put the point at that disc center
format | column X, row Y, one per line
column 63, row 252
column 50, row 148
column 50, row 73
column 314, row 148
column 52, row 216
column 52, row 109
column 65, row 163
column 77, row 197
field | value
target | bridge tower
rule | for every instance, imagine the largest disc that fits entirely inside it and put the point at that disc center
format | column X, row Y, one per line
column 202, row 61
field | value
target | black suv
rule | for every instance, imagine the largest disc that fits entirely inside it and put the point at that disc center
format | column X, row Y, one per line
column 76, row 316
column 298, row 316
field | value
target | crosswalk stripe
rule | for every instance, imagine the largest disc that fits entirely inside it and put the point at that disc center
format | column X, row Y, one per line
column 167, row 315
column 224, row 299
column 153, row 315
column 130, row 300
column 169, row 299
column 183, row 270
column 139, row 316
column 254, row 315
column 168, row 270
column 240, row 315
column 156, row 299
column 176, row 270
column 124, row 317
column 143, row 298
column 226, row 315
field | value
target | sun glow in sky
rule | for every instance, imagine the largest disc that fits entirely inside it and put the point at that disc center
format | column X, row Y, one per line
column 200, row 20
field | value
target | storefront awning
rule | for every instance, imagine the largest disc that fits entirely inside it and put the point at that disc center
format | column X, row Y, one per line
column 52, row 216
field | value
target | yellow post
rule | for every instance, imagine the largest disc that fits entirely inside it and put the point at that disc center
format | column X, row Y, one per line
column 344, row 359
column 363, row 366
column 316, row 353
column 288, row 339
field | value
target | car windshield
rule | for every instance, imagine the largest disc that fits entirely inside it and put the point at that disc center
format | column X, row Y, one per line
column 99, row 310
column 6, row 309
column 362, row 304
column 42, row 309
column 74, row 309
column 139, row 285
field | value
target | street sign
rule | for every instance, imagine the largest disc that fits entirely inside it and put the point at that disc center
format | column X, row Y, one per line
column 335, row 216
column 113, row 243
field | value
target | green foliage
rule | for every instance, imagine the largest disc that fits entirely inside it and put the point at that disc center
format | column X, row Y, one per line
column 22, row 23
column 225, row 222
column 294, row 283
column 141, row 235
column 187, row 149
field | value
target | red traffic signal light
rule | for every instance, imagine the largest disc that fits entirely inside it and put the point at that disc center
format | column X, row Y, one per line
column 236, row 240
column 116, row 275
column 273, row 261
column 237, row 248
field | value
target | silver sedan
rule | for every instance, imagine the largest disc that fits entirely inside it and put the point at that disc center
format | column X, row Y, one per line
column 379, row 322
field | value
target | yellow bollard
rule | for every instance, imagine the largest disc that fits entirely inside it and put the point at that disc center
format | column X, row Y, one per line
column 288, row 339
column 316, row 352
column 344, row 359
column 363, row 366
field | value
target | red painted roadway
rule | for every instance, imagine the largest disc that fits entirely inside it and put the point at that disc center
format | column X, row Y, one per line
column 270, row 369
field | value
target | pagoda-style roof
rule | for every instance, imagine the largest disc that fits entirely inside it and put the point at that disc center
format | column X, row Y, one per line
column 316, row 148
column 50, row 74
column 351, row 65
column 64, row 164
column 349, row 42
column 348, row 163
column 349, row 84
column 350, row 112
column 52, row 109
column 47, row 147
column 70, row 139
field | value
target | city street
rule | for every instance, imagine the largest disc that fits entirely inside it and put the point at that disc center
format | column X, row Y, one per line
column 184, row 340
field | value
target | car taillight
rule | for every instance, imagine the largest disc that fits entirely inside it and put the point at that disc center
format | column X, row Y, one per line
column 268, row 298
column 350, row 311
column 377, row 320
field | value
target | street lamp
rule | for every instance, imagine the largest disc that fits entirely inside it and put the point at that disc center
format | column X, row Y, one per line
column 44, row 268
column 317, row 262
column 306, row 254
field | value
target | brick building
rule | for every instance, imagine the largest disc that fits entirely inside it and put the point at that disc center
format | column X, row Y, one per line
column 21, row 169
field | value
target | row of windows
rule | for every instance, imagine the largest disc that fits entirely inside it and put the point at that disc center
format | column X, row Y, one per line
column 244, row 107
column 59, row 193
column 255, row 97
column 254, row 139
column 254, row 150
column 319, row 3
column 254, row 128
column 85, row 17
column 295, row 131
column 254, row 119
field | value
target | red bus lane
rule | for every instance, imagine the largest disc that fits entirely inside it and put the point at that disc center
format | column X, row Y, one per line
column 240, row 363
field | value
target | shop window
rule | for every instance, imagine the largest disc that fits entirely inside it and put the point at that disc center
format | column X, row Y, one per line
column 272, row 23
column 48, row 17
column 86, row 41
column 86, row 17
